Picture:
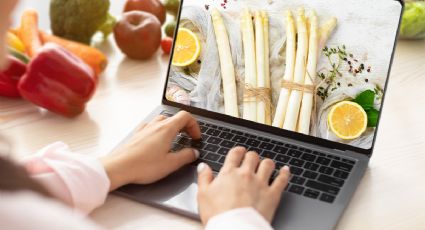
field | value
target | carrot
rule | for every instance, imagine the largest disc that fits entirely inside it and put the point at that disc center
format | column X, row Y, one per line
column 92, row 56
column 29, row 32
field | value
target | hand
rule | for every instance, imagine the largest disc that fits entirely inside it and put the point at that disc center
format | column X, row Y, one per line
column 239, row 184
column 146, row 156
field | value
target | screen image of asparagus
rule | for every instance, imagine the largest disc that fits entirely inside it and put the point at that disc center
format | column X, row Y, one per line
column 226, row 65
column 248, row 39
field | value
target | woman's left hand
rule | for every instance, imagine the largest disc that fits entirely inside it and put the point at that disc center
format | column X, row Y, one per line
column 146, row 157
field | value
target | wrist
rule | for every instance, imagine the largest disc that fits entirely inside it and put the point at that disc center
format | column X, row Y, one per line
column 113, row 171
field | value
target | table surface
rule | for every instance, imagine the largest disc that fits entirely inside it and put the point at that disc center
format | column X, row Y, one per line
column 390, row 196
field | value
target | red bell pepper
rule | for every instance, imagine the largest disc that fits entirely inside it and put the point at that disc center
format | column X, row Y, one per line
column 58, row 81
column 9, row 78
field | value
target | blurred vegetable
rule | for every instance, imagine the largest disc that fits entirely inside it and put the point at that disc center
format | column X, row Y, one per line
column 413, row 22
column 172, row 6
column 79, row 20
column 138, row 34
column 58, row 81
column 15, row 42
column 19, row 55
column 29, row 32
column 166, row 45
column 108, row 26
column 9, row 78
column 154, row 7
column 91, row 56
column 169, row 29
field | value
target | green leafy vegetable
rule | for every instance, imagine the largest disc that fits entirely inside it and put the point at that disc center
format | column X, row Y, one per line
column 366, row 99
column 413, row 22
column 372, row 117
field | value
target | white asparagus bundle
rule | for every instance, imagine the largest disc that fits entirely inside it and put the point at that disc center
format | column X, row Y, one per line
column 289, row 70
column 291, row 117
column 226, row 65
column 265, row 18
column 313, row 52
column 250, row 103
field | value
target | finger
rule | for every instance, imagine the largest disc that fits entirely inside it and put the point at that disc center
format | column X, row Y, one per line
column 182, row 157
column 265, row 169
column 251, row 161
column 234, row 158
column 205, row 175
column 186, row 122
column 281, row 181
column 159, row 118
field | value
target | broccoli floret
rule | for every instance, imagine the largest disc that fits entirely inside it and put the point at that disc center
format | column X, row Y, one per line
column 79, row 20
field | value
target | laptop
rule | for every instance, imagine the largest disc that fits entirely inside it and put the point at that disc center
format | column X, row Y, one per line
column 327, row 161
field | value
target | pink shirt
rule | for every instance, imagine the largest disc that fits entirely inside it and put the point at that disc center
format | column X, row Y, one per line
column 81, row 182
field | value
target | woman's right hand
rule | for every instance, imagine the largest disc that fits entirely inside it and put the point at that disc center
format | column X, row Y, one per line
column 242, row 182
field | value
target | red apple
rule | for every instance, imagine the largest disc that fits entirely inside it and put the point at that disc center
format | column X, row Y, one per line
column 138, row 34
column 154, row 7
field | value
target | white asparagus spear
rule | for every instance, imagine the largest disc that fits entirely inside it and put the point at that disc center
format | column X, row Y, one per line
column 250, row 106
column 326, row 30
column 289, row 70
column 307, row 99
column 265, row 18
column 226, row 65
column 261, row 78
column 290, row 122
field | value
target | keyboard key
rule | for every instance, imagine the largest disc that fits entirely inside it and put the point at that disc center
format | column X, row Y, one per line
column 213, row 132
column 311, row 193
column 348, row 161
column 298, row 180
column 197, row 144
column 203, row 129
column 296, row 171
column 323, row 161
column 236, row 132
column 268, row 154
column 322, row 187
column 214, row 140
column 214, row 126
column 341, row 165
column 308, row 157
column 311, row 166
column 276, row 142
column 326, row 170
column 211, row 148
column 239, row 139
column 213, row 165
column 222, row 158
column 310, row 174
column 333, row 157
column 253, row 142
column 291, row 146
column 265, row 139
column 257, row 150
column 266, row 146
column 212, row 157
column 294, row 153
column 226, row 135
column 308, row 151
column 226, row 129
column 327, row 198
column 279, row 165
column 282, row 158
column 280, row 149
column 341, row 174
column 331, row 180
column 296, row 189
column 223, row 151
column 296, row 162
column 227, row 144
column 184, row 141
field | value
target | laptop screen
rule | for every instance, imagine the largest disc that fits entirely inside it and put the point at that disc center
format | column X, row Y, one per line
column 314, row 67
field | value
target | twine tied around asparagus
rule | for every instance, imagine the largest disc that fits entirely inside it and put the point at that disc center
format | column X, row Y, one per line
column 263, row 94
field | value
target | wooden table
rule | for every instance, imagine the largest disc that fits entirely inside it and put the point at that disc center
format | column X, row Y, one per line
column 390, row 196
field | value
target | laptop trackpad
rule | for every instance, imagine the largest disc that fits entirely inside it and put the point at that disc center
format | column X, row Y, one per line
column 177, row 192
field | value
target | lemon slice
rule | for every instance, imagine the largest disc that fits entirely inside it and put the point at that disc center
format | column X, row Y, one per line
column 347, row 120
column 186, row 49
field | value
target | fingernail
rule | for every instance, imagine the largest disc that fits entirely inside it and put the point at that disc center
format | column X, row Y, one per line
column 196, row 152
column 286, row 168
column 200, row 167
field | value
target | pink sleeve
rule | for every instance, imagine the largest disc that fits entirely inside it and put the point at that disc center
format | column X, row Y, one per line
column 78, row 180
column 241, row 218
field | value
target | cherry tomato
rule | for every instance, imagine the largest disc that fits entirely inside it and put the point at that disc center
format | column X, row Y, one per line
column 166, row 45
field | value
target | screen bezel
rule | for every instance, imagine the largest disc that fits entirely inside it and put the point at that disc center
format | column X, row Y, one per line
column 273, row 130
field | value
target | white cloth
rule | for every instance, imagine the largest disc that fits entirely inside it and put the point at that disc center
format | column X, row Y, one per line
column 81, row 182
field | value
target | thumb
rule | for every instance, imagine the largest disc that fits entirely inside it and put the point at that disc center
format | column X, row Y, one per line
column 183, row 157
column 205, row 175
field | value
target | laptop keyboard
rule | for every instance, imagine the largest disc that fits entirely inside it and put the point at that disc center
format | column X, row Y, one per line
column 315, row 175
